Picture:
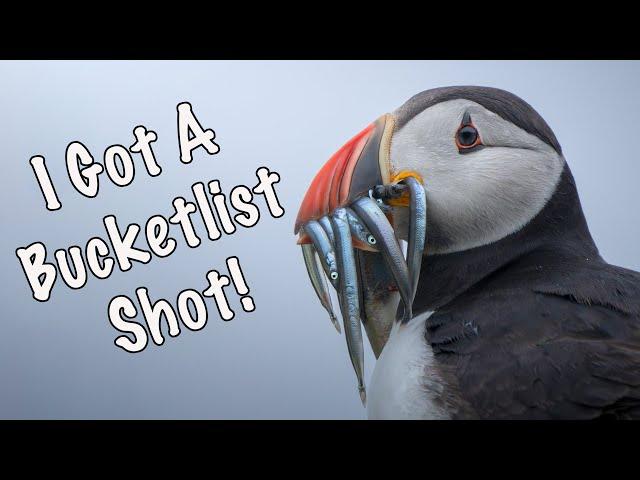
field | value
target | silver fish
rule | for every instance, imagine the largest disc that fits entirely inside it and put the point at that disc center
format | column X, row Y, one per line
column 325, row 250
column 348, row 295
column 369, row 211
column 328, row 229
column 359, row 231
column 417, row 231
column 318, row 281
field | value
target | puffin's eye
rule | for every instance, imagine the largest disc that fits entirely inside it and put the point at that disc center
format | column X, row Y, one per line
column 467, row 136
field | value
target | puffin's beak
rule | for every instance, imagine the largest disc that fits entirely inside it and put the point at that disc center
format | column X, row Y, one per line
column 360, row 164
column 344, row 223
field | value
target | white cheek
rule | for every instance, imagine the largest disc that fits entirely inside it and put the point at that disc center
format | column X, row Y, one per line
column 425, row 149
column 482, row 196
column 495, row 194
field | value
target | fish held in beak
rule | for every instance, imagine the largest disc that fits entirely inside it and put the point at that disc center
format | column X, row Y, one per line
column 324, row 247
column 379, row 225
column 417, row 230
column 345, row 219
column 348, row 295
column 319, row 282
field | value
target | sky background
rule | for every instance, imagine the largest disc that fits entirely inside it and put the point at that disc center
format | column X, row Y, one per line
column 284, row 360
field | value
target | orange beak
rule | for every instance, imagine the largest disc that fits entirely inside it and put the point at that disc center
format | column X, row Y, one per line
column 359, row 165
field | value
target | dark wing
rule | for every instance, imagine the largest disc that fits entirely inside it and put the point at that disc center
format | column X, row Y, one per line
column 565, row 346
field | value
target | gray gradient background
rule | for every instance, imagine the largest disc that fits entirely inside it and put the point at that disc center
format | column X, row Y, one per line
column 58, row 360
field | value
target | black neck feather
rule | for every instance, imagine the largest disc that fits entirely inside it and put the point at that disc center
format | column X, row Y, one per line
column 560, row 228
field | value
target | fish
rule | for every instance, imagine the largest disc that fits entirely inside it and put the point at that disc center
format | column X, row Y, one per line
column 349, row 296
column 375, row 220
column 361, row 236
column 325, row 250
column 417, row 231
column 318, row 280
column 360, row 255
column 325, row 223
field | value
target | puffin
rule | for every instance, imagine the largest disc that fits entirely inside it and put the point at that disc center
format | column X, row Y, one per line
column 515, row 314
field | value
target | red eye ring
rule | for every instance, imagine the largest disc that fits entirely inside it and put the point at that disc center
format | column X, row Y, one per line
column 467, row 137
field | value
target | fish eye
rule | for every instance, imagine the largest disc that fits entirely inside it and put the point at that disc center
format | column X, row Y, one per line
column 334, row 275
column 467, row 136
column 371, row 239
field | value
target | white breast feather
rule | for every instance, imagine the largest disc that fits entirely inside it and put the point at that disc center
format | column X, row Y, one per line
column 404, row 384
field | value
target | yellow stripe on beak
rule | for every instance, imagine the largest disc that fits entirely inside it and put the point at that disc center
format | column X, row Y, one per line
column 403, row 201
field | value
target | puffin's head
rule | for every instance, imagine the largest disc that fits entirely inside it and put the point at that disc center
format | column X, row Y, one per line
column 488, row 164
column 488, row 161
